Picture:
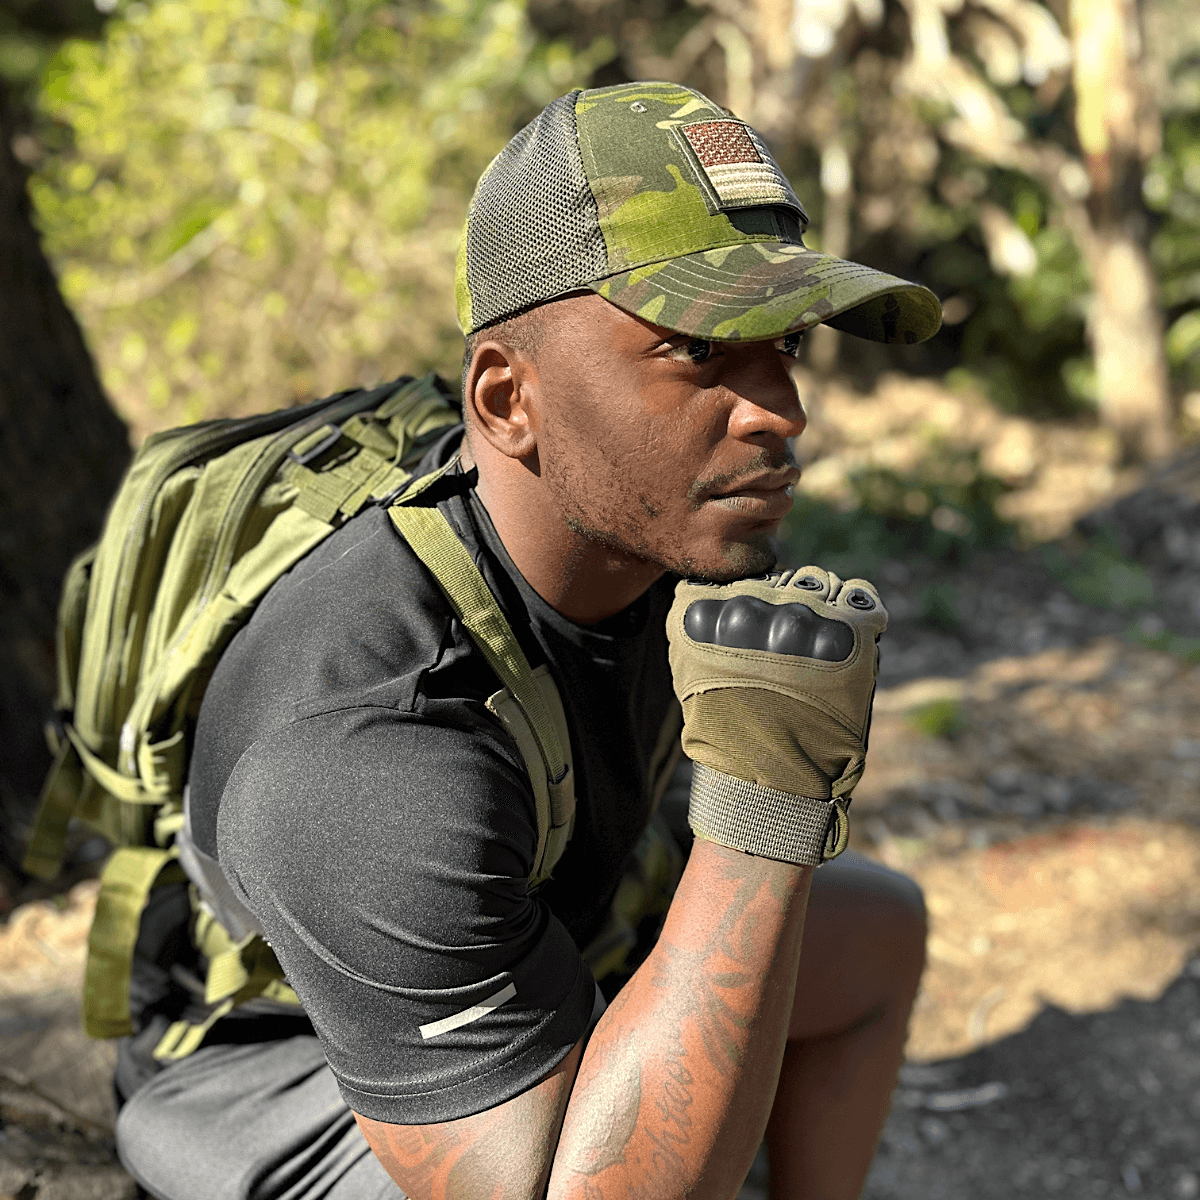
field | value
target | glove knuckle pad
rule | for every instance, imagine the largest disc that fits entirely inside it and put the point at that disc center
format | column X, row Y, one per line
column 749, row 623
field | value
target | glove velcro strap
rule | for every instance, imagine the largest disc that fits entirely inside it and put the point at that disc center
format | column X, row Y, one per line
column 764, row 821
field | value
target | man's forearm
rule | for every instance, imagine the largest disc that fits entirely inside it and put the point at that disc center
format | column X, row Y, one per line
column 676, row 1084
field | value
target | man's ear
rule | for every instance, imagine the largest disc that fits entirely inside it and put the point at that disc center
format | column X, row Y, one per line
column 498, row 399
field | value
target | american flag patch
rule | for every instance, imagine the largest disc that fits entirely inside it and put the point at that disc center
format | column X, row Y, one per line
column 736, row 166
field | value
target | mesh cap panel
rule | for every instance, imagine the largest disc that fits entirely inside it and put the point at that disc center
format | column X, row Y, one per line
column 549, row 240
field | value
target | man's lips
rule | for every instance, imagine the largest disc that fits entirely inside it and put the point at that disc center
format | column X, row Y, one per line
column 765, row 496
column 761, row 484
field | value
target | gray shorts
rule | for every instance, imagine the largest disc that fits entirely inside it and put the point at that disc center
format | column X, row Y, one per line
column 259, row 1121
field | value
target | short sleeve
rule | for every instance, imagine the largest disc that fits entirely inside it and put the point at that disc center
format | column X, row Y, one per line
column 387, row 858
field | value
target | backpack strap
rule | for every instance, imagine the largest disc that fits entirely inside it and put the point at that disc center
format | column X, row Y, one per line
column 64, row 784
column 238, row 971
column 74, row 770
column 437, row 545
column 537, row 721
column 125, row 886
column 555, row 811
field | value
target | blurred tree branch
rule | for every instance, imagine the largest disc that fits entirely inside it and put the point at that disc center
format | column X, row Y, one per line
column 1119, row 130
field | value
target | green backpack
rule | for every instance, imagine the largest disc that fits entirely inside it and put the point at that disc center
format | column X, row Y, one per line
column 206, row 519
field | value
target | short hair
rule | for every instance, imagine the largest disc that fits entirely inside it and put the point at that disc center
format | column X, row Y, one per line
column 522, row 332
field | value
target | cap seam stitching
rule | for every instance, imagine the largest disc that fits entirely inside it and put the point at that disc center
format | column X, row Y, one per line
column 580, row 136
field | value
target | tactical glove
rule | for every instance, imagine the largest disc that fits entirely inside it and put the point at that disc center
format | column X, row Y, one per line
column 776, row 676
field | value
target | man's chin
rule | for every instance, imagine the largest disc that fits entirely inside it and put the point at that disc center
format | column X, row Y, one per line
column 735, row 560
column 721, row 563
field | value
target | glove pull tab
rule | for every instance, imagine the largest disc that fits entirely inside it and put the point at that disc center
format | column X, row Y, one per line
column 837, row 836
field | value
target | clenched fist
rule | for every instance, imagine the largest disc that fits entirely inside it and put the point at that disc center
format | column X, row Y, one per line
column 776, row 677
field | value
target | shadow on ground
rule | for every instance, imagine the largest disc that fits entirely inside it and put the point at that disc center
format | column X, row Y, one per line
column 1096, row 1105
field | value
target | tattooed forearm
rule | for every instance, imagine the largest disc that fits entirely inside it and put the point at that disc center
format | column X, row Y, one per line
column 672, row 1133
column 701, row 1028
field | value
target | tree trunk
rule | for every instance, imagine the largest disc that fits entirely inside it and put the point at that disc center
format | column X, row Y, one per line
column 1118, row 130
column 837, row 186
column 1126, row 332
column 62, row 450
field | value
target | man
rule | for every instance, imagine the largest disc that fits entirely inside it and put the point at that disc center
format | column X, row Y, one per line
column 632, row 283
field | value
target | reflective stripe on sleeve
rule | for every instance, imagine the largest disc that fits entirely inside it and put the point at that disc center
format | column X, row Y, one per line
column 436, row 1028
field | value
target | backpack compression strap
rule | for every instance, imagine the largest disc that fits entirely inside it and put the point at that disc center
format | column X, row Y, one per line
column 126, row 884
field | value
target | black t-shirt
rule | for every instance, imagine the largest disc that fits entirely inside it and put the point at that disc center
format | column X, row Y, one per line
column 380, row 823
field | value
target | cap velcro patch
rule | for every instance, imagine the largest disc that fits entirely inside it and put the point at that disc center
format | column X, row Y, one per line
column 736, row 167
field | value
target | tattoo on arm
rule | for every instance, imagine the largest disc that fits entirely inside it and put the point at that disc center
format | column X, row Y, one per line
column 660, row 1078
column 502, row 1154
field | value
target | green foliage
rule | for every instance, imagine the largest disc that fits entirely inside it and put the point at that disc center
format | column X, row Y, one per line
column 261, row 200
column 939, row 719
column 849, row 543
column 939, row 607
column 1186, row 649
column 22, row 57
column 1099, row 575
column 30, row 31
column 1023, row 340
column 944, row 511
column 950, row 499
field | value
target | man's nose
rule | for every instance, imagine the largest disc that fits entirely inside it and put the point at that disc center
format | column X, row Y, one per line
column 768, row 405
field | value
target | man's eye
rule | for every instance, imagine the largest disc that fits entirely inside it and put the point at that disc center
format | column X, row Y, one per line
column 789, row 344
column 696, row 350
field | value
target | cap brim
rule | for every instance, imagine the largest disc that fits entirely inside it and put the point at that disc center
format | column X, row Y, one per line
column 759, row 290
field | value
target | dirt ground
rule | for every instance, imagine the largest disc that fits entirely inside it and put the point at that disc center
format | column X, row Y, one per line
column 56, row 1109
column 1035, row 765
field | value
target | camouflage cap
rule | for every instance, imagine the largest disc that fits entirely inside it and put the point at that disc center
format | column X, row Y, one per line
column 656, row 198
